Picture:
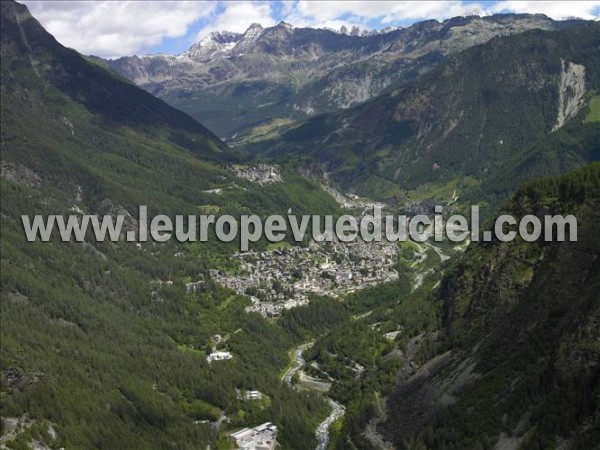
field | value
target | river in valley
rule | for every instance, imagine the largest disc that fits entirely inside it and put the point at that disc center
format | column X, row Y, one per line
column 337, row 409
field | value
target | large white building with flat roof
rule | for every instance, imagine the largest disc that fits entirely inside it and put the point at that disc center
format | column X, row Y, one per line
column 262, row 437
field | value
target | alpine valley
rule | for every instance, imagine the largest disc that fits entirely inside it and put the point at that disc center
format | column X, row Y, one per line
column 407, row 345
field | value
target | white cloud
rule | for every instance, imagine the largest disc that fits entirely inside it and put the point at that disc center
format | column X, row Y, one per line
column 337, row 24
column 109, row 28
column 555, row 9
column 428, row 10
column 306, row 12
column 115, row 28
column 238, row 16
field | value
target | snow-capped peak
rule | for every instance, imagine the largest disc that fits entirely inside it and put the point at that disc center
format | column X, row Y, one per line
column 286, row 25
column 249, row 37
column 214, row 43
column 253, row 31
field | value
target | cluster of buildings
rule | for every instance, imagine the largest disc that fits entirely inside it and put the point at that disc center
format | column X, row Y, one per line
column 262, row 437
column 261, row 174
column 272, row 309
column 284, row 279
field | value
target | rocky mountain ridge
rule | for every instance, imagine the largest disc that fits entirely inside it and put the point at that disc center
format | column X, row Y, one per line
column 252, row 83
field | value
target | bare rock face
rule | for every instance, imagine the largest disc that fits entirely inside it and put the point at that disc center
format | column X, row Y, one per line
column 571, row 92
column 214, row 45
column 20, row 174
column 110, row 208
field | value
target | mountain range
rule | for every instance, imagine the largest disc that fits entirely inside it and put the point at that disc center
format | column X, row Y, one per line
column 477, row 125
column 488, row 345
column 266, row 78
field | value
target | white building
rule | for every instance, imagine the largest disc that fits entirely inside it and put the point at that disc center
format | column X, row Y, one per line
column 262, row 437
column 254, row 395
column 219, row 356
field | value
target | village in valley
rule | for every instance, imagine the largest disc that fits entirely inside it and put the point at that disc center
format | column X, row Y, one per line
column 287, row 276
column 283, row 279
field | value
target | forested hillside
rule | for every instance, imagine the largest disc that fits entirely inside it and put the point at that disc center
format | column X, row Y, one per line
column 519, row 343
column 485, row 345
column 498, row 348
column 101, row 345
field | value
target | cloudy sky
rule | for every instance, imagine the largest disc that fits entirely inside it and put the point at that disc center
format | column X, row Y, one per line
column 113, row 28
